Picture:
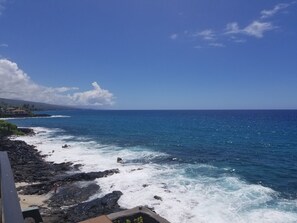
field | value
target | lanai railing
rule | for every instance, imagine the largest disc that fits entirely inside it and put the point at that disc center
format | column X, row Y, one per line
column 10, row 206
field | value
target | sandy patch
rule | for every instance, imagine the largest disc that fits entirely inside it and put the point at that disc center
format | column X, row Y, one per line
column 27, row 201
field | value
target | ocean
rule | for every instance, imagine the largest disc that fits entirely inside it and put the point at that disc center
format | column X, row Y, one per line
column 207, row 166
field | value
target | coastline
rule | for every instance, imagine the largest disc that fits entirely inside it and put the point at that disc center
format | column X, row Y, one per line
column 155, row 179
column 60, row 190
column 16, row 116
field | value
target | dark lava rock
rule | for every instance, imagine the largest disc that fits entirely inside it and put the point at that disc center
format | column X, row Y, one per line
column 105, row 205
column 27, row 131
column 94, row 208
column 40, row 188
column 28, row 166
column 158, row 197
column 77, row 166
column 72, row 194
column 27, row 163
column 87, row 176
column 43, row 188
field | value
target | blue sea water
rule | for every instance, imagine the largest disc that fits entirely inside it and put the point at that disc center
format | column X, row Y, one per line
column 248, row 156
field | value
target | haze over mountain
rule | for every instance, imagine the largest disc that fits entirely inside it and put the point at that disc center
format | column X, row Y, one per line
column 37, row 105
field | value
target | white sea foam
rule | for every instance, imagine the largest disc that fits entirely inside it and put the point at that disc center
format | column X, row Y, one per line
column 59, row 116
column 52, row 116
column 185, row 199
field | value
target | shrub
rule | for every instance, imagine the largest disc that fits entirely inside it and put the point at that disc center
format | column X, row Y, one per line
column 7, row 129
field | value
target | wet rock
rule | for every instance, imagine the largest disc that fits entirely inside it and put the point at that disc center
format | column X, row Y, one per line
column 94, row 208
column 158, row 197
column 87, row 176
column 119, row 160
column 43, row 188
column 39, row 188
column 136, row 169
column 27, row 131
column 73, row 194
column 77, row 166
column 28, row 164
column 62, row 167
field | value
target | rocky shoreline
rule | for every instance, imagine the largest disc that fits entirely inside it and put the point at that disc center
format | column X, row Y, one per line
column 68, row 189
column 7, row 116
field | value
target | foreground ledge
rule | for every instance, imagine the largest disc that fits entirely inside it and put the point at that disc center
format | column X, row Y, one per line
column 135, row 215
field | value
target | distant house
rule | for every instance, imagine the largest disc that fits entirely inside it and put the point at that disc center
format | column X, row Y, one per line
column 14, row 112
column 20, row 112
column 10, row 110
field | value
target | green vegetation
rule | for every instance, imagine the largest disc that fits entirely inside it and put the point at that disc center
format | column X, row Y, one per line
column 9, row 110
column 7, row 129
column 131, row 219
column 33, row 106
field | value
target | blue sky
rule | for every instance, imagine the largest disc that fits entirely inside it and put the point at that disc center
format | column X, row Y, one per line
column 137, row 54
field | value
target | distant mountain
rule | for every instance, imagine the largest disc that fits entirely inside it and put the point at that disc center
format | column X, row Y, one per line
column 37, row 105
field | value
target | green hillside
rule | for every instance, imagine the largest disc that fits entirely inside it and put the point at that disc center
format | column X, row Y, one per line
column 35, row 106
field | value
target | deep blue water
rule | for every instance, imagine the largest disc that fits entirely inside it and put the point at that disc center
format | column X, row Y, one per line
column 259, row 147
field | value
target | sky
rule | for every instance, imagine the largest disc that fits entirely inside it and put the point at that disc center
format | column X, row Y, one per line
column 159, row 54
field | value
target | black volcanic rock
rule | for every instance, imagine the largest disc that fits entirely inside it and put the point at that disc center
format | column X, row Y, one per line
column 28, row 115
column 26, row 131
column 86, row 176
column 28, row 164
column 158, row 198
column 45, row 187
column 94, row 208
column 72, row 194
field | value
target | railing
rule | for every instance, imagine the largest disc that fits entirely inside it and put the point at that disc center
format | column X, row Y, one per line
column 10, row 207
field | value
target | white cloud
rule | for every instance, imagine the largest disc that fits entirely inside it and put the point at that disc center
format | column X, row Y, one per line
column 236, row 33
column 216, row 44
column 3, row 45
column 97, row 96
column 207, row 34
column 268, row 13
column 174, row 36
column 65, row 89
column 232, row 28
column 255, row 29
column 16, row 84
